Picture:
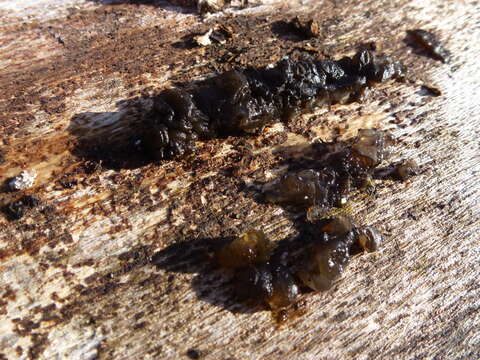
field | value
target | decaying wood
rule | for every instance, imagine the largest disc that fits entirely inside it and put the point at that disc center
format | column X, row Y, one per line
column 111, row 264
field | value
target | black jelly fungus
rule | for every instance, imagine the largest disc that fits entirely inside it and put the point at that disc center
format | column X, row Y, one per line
column 256, row 278
column 341, row 169
column 243, row 101
column 269, row 284
column 334, row 240
column 247, row 249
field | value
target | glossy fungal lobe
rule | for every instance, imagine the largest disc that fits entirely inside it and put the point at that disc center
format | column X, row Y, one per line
column 369, row 239
column 248, row 249
column 243, row 101
column 398, row 171
column 334, row 241
column 341, row 169
column 256, row 278
column 270, row 284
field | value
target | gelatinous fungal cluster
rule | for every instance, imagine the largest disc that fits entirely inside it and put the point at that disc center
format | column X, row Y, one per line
column 334, row 241
column 331, row 239
column 339, row 170
column 260, row 279
column 245, row 100
column 256, row 276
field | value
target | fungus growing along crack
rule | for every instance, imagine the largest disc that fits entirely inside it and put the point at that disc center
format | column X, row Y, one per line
column 331, row 237
column 341, row 168
column 243, row 101
column 260, row 279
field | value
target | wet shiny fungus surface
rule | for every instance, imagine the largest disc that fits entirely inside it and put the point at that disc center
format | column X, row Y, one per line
column 340, row 168
column 264, row 281
column 244, row 100
column 258, row 279
column 398, row 171
column 329, row 238
column 329, row 252
column 248, row 249
column 270, row 284
column 333, row 242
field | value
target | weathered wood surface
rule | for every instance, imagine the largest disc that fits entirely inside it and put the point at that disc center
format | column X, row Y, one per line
column 77, row 280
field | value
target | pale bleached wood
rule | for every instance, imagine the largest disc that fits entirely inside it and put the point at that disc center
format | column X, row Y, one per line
column 416, row 299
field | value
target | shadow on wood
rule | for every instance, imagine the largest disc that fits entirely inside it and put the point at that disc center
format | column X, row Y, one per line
column 284, row 30
column 110, row 139
column 211, row 284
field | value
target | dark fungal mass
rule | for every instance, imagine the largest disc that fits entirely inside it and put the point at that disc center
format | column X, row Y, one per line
column 429, row 43
column 430, row 90
column 267, row 276
column 339, row 169
column 243, row 101
column 248, row 249
column 262, row 280
column 370, row 239
column 270, row 284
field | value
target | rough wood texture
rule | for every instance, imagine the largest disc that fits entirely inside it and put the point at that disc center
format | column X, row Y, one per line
column 111, row 265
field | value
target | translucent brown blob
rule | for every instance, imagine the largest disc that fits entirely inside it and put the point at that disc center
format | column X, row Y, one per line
column 269, row 284
column 329, row 254
column 256, row 279
column 369, row 239
column 248, row 249
column 341, row 169
column 260, row 280
column 334, row 241
column 289, row 313
column 400, row 171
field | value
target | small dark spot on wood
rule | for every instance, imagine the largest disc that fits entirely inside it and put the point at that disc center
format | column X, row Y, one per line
column 48, row 210
column 426, row 42
column 24, row 327
column 139, row 315
column 17, row 209
column 140, row 325
column 19, row 350
column 9, row 294
column 306, row 27
column 430, row 90
column 40, row 342
column 193, row 354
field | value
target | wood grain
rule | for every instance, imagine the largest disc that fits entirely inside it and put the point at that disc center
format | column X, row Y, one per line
column 112, row 264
